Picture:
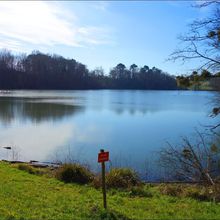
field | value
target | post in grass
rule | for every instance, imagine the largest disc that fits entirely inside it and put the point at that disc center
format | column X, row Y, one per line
column 102, row 158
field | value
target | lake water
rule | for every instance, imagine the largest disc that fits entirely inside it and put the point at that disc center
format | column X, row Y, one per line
column 74, row 125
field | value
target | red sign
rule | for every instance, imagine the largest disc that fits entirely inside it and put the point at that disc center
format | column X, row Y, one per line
column 103, row 156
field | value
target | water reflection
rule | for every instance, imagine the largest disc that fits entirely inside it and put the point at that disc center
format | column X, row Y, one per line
column 132, row 125
column 35, row 142
column 152, row 102
column 35, row 110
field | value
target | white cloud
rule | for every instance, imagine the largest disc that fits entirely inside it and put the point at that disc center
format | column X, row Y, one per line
column 14, row 45
column 44, row 139
column 41, row 23
column 41, row 139
column 95, row 35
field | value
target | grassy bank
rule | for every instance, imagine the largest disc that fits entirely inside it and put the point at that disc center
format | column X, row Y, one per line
column 27, row 196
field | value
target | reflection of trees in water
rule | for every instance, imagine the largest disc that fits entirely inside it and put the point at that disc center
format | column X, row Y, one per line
column 6, row 111
column 157, row 102
column 136, row 109
column 48, row 111
column 34, row 110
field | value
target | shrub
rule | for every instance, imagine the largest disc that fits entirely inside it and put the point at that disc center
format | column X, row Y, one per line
column 204, row 193
column 171, row 189
column 198, row 192
column 122, row 178
column 74, row 173
column 215, row 192
column 34, row 170
column 140, row 192
column 97, row 181
column 27, row 168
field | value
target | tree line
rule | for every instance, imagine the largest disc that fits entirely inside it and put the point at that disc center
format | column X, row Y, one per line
column 44, row 71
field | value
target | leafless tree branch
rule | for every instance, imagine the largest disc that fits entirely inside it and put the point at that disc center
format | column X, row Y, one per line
column 203, row 40
column 194, row 162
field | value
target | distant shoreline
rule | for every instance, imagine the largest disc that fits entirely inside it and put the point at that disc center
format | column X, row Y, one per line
column 180, row 89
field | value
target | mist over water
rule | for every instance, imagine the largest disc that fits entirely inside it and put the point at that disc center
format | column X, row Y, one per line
column 74, row 125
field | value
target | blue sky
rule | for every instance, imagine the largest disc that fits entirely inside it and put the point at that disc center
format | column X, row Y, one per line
column 99, row 33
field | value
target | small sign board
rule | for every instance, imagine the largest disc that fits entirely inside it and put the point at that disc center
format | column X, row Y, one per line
column 103, row 157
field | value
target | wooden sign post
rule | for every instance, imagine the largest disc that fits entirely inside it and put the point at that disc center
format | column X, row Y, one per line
column 102, row 158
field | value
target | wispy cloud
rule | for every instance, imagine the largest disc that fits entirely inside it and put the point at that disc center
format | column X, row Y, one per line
column 43, row 24
column 95, row 35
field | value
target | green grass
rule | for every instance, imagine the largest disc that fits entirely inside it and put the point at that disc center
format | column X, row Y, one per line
column 28, row 196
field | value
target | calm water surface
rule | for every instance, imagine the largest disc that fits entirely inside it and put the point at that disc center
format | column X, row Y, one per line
column 132, row 125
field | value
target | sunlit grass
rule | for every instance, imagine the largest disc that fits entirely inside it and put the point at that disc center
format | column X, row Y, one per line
column 28, row 196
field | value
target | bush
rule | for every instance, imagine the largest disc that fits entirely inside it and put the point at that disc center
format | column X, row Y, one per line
column 34, row 170
column 74, row 173
column 204, row 193
column 122, row 178
column 27, row 168
column 97, row 181
column 171, row 189
column 215, row 192
column 198, row 192
column 118, row 178
column 140, row 192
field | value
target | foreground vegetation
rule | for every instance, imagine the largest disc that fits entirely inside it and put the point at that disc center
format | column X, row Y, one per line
column 29, row 196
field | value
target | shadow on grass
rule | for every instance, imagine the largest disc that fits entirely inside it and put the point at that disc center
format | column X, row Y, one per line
column 109, row 215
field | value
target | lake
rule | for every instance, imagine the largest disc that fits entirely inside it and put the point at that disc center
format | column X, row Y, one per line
column 75, row 125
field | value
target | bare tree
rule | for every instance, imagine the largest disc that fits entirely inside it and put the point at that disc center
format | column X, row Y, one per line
column 192, row 162
column 6, row 59
column 202, row 42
